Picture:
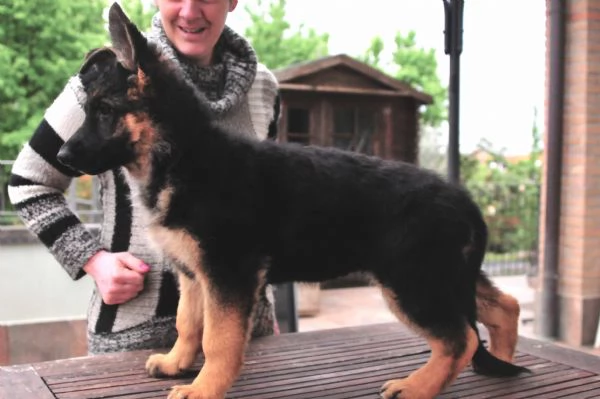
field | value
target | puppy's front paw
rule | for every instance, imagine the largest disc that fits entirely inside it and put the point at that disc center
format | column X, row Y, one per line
column 403, row 389
column 188, row 392
column 160, row 365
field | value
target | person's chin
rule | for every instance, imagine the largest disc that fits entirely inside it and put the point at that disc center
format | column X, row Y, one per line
column 192, row 51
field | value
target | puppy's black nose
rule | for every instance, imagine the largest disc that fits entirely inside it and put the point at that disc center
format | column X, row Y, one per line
column 65, row 156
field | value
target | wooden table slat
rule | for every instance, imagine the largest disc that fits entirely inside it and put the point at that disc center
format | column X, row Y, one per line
column 90, row 363
column 514, row 385
column 22, row 382
column 63, row 368
column 555, row 352
column 330, row 364
column 584, row 393
column 471, row 381
column 557, row 390
column 588, row 387
column 291, row 383
column 258, row 364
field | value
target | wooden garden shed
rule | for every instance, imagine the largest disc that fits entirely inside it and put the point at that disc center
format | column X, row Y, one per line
column 339, row 101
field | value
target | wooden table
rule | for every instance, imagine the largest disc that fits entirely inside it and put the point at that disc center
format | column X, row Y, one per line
column 333, row 364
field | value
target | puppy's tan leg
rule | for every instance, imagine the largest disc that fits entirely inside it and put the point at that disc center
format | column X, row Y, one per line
column 444, row 365
column 226, row 333
column 448, row 359
column 190, row 324
column 499, row 312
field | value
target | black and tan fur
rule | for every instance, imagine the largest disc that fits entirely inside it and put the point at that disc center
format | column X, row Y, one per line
column 237, row 213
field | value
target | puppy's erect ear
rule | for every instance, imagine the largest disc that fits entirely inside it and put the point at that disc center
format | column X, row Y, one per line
column 96, row 56
column 125, row 36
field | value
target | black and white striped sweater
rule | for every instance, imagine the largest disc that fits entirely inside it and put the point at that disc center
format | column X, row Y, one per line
column 36, row 189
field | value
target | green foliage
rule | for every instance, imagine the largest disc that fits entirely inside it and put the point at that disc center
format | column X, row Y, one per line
column 418, row 67
column 508, row 192
column 276, row 43
column 511, row 211
column 140, row 12
column 42, row 44
column 415, row 66
column 372, row 55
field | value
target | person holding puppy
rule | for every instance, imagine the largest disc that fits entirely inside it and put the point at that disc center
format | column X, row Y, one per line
column 135, row 299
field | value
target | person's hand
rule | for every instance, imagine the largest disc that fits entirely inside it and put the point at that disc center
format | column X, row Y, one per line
column 119, row 276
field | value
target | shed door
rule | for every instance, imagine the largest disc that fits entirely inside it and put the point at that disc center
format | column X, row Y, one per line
column 354, row 128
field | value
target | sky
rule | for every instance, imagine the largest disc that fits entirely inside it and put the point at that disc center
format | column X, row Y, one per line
column 502, row 64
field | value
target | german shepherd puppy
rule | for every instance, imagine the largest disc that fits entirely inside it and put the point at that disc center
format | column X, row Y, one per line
column 236, row 214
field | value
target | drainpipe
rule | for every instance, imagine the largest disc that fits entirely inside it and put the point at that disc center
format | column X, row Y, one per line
column 547, row 308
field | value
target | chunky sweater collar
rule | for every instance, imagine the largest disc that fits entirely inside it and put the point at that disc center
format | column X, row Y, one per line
column 227, row 80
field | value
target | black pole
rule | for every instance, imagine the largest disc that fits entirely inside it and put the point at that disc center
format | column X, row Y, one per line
column 548, row 308
column 453, row 33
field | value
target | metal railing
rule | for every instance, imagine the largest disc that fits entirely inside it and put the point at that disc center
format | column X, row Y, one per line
column 512, row 215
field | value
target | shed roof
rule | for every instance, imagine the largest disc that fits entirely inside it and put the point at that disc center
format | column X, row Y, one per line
column 301, row 77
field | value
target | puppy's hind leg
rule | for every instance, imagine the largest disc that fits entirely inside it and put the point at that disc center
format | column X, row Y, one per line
column 499, row 312
column 189, row 325
column 453, row 343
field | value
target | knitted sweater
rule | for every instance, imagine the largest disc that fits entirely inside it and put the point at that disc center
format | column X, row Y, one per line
column 243, row 95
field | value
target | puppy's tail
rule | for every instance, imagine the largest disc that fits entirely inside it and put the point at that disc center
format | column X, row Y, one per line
column 487, row 364
column 483, row 361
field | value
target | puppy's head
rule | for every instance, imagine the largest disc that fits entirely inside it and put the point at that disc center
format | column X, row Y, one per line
column 117, row 130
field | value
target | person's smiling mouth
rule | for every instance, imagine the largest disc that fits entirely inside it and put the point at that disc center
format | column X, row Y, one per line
column 192, row 30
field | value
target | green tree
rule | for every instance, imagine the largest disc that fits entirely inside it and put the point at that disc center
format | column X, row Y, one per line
column 416, row 66
column 508, row 192
column 530, row 169
column 42, row 43
column 372, row 55
column 140, row 12
column 276, row 43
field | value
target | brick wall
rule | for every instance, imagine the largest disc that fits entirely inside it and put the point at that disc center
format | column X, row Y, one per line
column 579, row 247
